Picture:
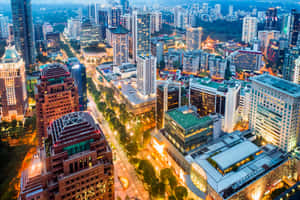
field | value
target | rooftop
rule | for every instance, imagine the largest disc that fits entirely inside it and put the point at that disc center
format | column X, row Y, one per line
column 54, row 70
column 10, row 55
column 279, row 84
column 186, row 118
column 119, row 30
column 208, row 82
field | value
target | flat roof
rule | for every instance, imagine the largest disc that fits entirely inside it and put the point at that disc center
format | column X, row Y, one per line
column 235, row 154
column 284, row 86
column 187, row 119
column 208, row 82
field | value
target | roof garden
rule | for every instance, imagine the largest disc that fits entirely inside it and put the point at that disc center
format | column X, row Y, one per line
column 187, row 119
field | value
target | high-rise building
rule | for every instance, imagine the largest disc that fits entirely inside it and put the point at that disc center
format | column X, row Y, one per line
column 141, row 34
column 294, row 29
column 125, row 6
column 291, row 65
column 156, row 22
column 120, row 45
column 90, row 34
column 214, row 97
column 246, row 59
column 249, row 29
column 38, row 32
column 146, row 75
column 193, row 38
column 4, row 33
column 126, row 21
column 23, row 30
column 102, row 21
column 73, row 29
column 191, row 61
column 78, row 73
column 13, row 96
column 47, row 28
column 274, row 112
column 168, row 96
column 230, row 10
column 271, row 21
column 265, row 37
column 92, row 12
column 218, row 9
column 56, row 96
column 75, row 163
column 115, row 17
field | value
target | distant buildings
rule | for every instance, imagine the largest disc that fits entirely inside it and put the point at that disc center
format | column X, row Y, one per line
column 146, row 75
column 271, row 21
column 294, row 28
column 156, row 22
column 90, row 34
column 13, row 94
column 115, row 17
column 102, row 21
column 274, row 114
column 47, row 28
column 120, row 45
column 191, row 61
column 56, row 96
column 232, row 167
column 213, row 97
column 73, row 29
column 249, row 29
column 76, row 162
column 4, row 32
column 23, row 30
column 193, row 38
column 265, row 37
column 246, row 59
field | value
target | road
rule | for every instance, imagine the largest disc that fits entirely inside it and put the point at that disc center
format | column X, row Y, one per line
column 122, row 167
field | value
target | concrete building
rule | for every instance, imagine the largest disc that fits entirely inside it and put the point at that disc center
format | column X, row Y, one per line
column 246, row 59
column 193, row 38
column 156, row 21
column 13, row 94
column 73, row 29
column 146, row 75
column 265, row 37
column 274, row 114
column 214, row 97
column 191, row 61
column 56, row 96
column 232, row 167
column 4, row 33
column 294, row 28
column 47, row 28
column 75, row 163
column 120, row 45
column 115, row 17
column 249, row 29
column 271, row 20
column 141, row 34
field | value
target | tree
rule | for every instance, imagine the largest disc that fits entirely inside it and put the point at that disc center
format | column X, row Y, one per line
column 181, row 193
column 173, row 182
column 171, row 198
column 165, row 175
column 147, row 171
column 132, row 148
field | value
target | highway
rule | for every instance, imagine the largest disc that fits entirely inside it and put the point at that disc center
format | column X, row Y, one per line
column 122, row 166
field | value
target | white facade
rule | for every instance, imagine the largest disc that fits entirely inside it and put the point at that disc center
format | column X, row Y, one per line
column 156, row 22
column 47, row 28
column 193, row 38
column 249, row 29
column 146, row 75
column 73, row 29
column 126, row 21
column 120, row 48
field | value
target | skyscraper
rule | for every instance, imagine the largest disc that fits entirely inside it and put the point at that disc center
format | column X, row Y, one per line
column 76, row 162
column 92, row 12
column 102, row 21
column 78, row 73
column 271, row 21
column 120, row 45
column 274, row 111
column 141, row 34
column 291, row 65
column 294, row 37
column 125, row 6
column 23, row 30
column 193, row 38
column 249, row 29
column 115, row 17
column 4, row 33
column 56, row 96
column 13, row 95
column 146, row 75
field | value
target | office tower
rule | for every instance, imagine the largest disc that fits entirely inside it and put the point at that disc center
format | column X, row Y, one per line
column 230, row 10
column 216, row 97
column 218, row 9
column 193, row 38
column 265, row 37
column 23, row 30
column 38, row 32
column 249, row 29
column 92, row 12
column 146, row 75
column 204, row 7
column 179, row 15
column 294, row 29
column 73, row 29
column 191, row 61
column 126, row 21
column 102, row 21
column 159, row 53
column 47, row 28
column 286, row 23
column 4, row 33
column 78, row 73
column 76, row 162
column 274, row 114
column 156, row 22
column 271, row 21
column 56, row 96
column 246, row 59
column 13, row 96
column 120, row 45
column 168, row 96
column 186, row 130
column 115, row 17
column 291, row 65
column 273, row 52
column 90, row 34
column 141, row 34
column 125, row 6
